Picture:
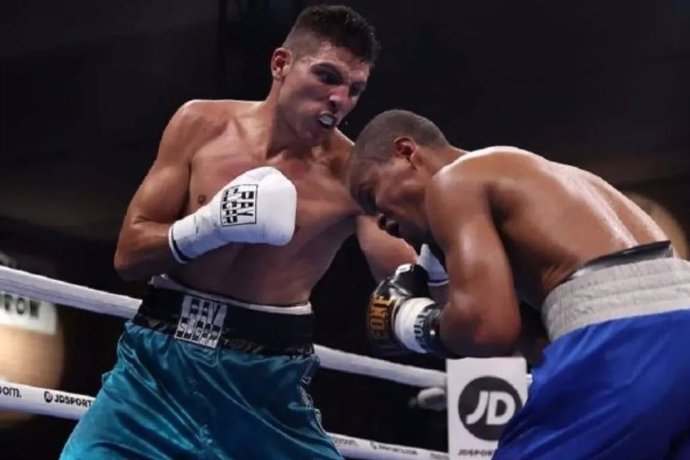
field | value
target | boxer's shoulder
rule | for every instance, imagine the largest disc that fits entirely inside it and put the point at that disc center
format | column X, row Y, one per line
column 464, row 181
column 212, row 115
column 471, row 167
column 498, row 150
column 449, row 191
column 494, row 157
column 199, row 121
column 490, row 165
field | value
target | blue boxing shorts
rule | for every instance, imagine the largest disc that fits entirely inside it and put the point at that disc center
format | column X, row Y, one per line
column 614, row 383
column 206, row 377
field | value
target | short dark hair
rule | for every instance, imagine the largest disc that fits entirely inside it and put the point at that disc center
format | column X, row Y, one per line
column 339, row 25
column 374, row 142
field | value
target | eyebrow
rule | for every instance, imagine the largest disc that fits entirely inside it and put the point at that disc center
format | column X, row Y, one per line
column 362, row 84
column 330, row 66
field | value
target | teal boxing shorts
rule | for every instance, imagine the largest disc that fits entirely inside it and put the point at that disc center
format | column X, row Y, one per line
column 206, row 377
column 615, row 381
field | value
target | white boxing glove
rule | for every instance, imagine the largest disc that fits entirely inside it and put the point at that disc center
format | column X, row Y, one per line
column 434, row 268
column 258, row 206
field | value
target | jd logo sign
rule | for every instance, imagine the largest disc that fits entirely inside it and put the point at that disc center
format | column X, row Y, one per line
column 486, row 405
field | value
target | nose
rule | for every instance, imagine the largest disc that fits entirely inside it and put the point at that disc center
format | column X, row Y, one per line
column 339, row 99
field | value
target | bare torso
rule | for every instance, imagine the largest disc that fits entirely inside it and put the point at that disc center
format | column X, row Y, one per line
column 257, row 273
column 553, row 218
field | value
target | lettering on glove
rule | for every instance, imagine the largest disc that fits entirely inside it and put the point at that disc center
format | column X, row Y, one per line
column 407, row 283
column 401, row 316
column 258, row 206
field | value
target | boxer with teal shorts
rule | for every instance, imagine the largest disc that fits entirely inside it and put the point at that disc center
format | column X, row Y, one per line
column 205, row 377
column 238, row 218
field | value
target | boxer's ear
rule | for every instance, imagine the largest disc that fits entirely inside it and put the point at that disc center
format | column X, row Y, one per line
column 408, row 149
column 281, row 61
column 404, row 147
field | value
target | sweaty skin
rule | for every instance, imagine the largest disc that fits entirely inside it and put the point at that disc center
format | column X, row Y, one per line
column 209, row 143
column 512, row 226
column 541, row 211
column 214, row 142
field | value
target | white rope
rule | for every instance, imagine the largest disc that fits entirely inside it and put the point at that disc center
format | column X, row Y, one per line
column 35, row 400
column 43, row 401
column 59, row 292
column 352, row 447
column 430, row 398
column 377, row 368
column 436, row 398
column 51, row 290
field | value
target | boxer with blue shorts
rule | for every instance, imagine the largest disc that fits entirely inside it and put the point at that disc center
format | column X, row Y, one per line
column 511, row 228
column 614, row 380
column 243, row 210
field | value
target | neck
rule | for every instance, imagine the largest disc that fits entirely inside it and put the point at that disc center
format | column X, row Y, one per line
column 443, row 157
column 280, row 136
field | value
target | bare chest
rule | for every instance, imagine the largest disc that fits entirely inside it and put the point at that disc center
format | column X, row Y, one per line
column 323, row 201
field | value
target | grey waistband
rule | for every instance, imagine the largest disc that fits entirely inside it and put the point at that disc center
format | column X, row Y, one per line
column 640, row 288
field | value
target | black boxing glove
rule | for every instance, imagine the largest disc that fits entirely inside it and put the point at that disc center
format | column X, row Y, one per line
column 401, row 316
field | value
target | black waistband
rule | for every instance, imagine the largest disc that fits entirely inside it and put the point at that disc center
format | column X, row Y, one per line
column 214, row 324
column 658, row 250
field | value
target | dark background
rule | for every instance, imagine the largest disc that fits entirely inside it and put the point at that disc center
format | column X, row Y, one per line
column 87, row 87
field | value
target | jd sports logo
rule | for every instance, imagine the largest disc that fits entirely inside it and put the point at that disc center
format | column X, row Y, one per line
column 238, row 205
column 486, row 405
column 58, row 398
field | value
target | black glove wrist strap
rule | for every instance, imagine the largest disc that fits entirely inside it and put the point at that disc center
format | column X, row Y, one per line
column 429, row 334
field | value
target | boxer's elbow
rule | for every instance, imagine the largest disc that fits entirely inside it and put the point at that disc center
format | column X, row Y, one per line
column 490, row 341
column 128, row 261
column 469, row 330
column 124, row 265
column 132, row 268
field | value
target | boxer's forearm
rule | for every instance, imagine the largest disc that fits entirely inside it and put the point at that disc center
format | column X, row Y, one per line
column 466, row 331
column 439, row 294
column 382, row 264
column 383, row 252
column 143, row 251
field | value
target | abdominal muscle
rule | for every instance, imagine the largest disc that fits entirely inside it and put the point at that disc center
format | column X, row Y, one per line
column 263, row 274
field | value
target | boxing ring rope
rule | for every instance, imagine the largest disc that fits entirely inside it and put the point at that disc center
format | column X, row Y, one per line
column 44, row 401
column 61, row 404
column 59, row 292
